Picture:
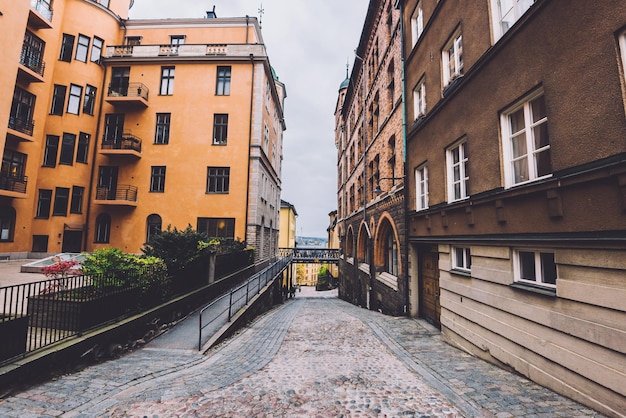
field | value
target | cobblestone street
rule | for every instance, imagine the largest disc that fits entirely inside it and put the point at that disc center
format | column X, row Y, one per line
column 311, row 357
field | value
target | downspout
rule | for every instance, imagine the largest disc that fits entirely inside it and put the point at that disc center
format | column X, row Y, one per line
column 400, row 4
column 250, row 149
column 247, row 28
column 93, row 158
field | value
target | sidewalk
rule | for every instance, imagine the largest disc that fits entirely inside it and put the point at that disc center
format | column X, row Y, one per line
column 312, row 356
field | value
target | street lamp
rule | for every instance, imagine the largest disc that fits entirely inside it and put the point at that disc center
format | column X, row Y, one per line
column 378, row 190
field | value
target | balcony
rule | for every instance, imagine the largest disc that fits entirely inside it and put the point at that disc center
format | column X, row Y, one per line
column 40, row 15
column 31, row 68
column 127, row 144
column 13, row 186
column 144, row 52
column 135, row 94
column 120, row 195
column 20, row 129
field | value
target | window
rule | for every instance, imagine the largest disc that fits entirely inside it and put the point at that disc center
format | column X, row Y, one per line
column 458, row 178
column 13, row 165
column 167, row 81
column 90, row 99
column 421, row 186
column 120, row 77
column 526, row 146
column 176, row 40
column 103, row 228
column 391, row 253
column 162, row 131
column 217, row 227
column 32, row 52
column 622, row 44
column 391, row 86
column 76, row 205
column 419, row 100
column 82, row 154
column 157, row 179
column 82, row 47
column 43, row 204
column 133, row 40
column 67, row 149
column 506, row 13
column 218, row 179
column 220, row 129
column 154, row 226
column 22, row 107
column 452, row 56
column 40, row 244
column 96, row 49
column 7, row 223
column 113, row 127
column 461, row 259
column 223, row 81
column 535, row 267
column 67, row 47
column 58, row 99
column 73, row 104
column 105, row 3
column 417, row 23
column 51, row 151
column 61, row 199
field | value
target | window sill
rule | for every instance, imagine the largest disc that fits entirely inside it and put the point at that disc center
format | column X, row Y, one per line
column 544, row 291
column 459, row 272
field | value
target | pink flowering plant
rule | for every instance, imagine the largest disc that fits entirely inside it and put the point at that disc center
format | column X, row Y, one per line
column 59, row 271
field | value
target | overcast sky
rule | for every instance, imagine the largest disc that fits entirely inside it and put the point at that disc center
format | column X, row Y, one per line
column 309, row 43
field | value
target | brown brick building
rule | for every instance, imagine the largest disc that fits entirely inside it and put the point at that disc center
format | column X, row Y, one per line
column 516, row 185
column 368, row 135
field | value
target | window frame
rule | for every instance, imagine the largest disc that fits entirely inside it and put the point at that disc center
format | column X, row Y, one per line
column 218, row 180
column 528, row 131
column 622, row 47
column 58, row 100
column 417, row 23
column 96, row 49
column 162, row 128
column 89, row 100
column 74, row 99
column 7, row 224
column 76, row 202
column 220, row 129
column 539, row 268
column 455, row 43
column 68, row 143
column 67, row 48
column 102, row 233
column 82, row 151
column 157, row 178
column 223, row 80
column 461, row 262
column 44, row 204
column 497, row 17
column 421, row 194
column 51, row 151
column 167, row 81
column 82, row 48
column 61, row 201
column 204, row 225
column 462, row 164
column 419, row 99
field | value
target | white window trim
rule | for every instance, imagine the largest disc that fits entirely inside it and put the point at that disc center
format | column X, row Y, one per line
column 421, row 177
column 496, row 17
column 419, row 99
column 509, row 173
column 455, row 41
column 622, row 45
column 538, row 270
column 464, row 177
column 417, row 23
column 463, row 265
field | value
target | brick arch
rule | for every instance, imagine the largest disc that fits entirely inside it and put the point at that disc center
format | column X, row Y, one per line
column 387, row 246
column 362, row 244
column 350, row 242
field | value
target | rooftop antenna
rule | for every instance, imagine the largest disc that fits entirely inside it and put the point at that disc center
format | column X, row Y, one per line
column 347, row 67
column 261, row 12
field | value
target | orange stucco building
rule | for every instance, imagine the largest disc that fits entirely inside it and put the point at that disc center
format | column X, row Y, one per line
column 119, row 128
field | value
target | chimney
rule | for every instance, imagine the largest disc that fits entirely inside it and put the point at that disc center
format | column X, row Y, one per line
column 211, row 14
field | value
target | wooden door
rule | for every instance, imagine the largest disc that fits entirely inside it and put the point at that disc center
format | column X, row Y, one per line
column 429, row 275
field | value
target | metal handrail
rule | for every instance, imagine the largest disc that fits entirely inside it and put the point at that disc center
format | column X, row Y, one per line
column 236, row 296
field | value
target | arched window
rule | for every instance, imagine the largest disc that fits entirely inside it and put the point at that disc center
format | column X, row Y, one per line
column 391, row 254
column 103, row 228
column 362, row 250
column 350, row 244
column 7, row 223
column 386, row 253
column 154, row 226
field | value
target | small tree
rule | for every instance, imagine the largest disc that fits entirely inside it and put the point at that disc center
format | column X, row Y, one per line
column 176, row 248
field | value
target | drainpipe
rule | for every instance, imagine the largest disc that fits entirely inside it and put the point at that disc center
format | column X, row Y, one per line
column 94, row 154
column 250, row 148
column 247, row 29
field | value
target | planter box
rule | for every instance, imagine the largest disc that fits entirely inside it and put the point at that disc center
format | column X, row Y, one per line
column 13, row 335
column 59, row 311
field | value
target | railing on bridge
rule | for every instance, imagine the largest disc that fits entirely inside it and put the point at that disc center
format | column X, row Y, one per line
column 311, row 255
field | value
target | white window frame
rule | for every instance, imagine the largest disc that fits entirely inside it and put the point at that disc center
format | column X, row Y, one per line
column 517, row 10
column 531, row 152
column 539, row 279
column 419, row 99
column 463, row 181
column 453, row 50
column 622, row 45
column 75, row 96
column 461, row 258
column 417, row 23
column 421, row 187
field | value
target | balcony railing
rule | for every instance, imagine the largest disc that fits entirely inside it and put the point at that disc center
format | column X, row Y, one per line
column 122, row 192
column 185, row 50
column 13, row 183
column 21, row 125
column 132, row 90
column 32, row 60
column 127, row 141
column 43, row 7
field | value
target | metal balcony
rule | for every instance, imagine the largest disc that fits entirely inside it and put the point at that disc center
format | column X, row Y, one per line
column 31, row 67
column 40, row 15
column 20, row 129
column 120, row 195
column 135, row 94
column 127, row 144
column 13, row 186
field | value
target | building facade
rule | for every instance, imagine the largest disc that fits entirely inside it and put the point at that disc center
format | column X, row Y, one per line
column 119, row 128
column 516, row 174
column 370, row 161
